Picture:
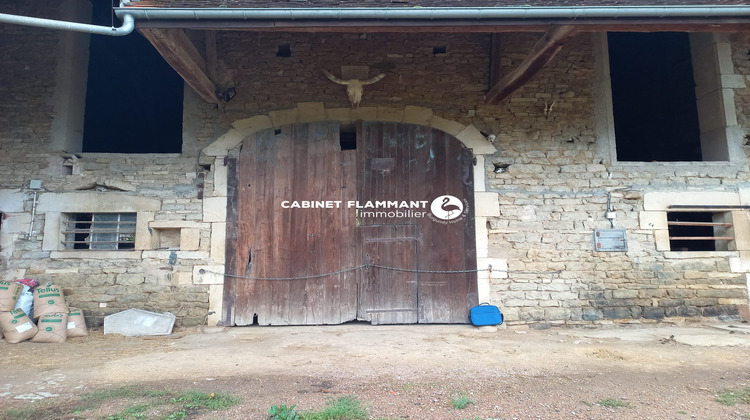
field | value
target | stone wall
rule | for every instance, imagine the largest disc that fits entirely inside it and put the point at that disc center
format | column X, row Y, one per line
column 552, row 196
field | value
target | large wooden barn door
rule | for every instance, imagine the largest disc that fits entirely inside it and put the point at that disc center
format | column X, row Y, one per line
column 401, row 162
column 305, row 162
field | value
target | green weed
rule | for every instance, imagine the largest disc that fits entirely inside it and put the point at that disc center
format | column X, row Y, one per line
column 283, row 412
column 728, row 396
column 344, row 408
column 613, row 402
column 213, row 401
column 461, row 401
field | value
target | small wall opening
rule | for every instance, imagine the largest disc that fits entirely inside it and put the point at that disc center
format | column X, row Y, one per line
column 284, row 51
column 700, row 231
column 439, row 50
column 166, row 238
column 348, row 137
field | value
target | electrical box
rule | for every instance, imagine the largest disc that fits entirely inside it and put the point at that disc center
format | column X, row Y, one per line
column 35, row 184
column 610, row 240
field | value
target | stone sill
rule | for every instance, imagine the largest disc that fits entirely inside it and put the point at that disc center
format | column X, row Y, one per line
column 677, row 167
column 700, row 254
column 96, row 255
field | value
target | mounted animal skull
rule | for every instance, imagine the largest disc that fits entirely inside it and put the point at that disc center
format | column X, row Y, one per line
column 354, row 87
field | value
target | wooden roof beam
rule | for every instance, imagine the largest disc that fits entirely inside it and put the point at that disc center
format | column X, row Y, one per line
column 177, row 49
column 542, row 53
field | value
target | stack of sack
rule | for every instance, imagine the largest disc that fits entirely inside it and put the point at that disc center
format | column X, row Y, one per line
column 22, row 300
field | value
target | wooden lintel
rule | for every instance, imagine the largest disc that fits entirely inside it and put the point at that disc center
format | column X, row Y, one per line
column 542, row 53
column 177, row 49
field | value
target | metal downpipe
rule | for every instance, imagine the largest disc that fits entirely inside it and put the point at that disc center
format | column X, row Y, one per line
column 128, row 24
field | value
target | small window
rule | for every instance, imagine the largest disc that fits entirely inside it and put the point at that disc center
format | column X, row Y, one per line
column 700, row 231
column 100, row 231
column 348, row 137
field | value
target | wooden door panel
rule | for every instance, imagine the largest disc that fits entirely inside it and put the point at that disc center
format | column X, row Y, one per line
column 387, row 296
column 300, row 163
column 409, row 162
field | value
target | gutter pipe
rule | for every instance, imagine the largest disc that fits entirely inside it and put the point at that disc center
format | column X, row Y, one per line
column 128, row 24
column 437, row 13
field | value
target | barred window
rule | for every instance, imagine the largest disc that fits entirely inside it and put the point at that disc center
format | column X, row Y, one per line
column 100, row 231
column 700, row 231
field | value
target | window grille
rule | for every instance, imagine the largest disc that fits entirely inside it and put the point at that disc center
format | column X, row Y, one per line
column 700, row 231
column 100, row 231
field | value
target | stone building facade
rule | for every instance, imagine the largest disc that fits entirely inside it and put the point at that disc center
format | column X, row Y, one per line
column 542, row 187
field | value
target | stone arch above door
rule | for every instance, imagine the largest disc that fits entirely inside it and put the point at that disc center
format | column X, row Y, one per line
column 486, row 203
column 315, row 111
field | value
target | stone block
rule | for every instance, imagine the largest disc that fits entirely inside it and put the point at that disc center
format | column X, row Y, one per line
column 654, row 201
column 311, row 111
column 208, row 274
column 486, row 204
column 661, row 237
column 339, row 114
column 130, row 279
column 365, row 114
column 248, row 126
column 652, row 312
column 417, row 115
column 164, row 256
column 688, row 311
column 189, row 239
column 482, row 235
column 96, row 255
column 11, row 201
column 531, row 314
column 701, row 302
column 215, row 209
column 617, row 312
column 225, row 143
column 447, row 126
column 182, row 278
column 624, row 294
column 215, row 302
column 473, row 139
column 285, row 117
column 556, row 313
column 220, row 178
column 480, row 174
column 96, row 202
column 591, row 314
column 653, row 220
column 390, row 114
column 218, row 241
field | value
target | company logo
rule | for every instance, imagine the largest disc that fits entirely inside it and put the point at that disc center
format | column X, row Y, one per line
column 447, row 207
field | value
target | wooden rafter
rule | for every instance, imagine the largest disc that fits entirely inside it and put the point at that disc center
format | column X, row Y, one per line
column 177, row 49
column 544, row 50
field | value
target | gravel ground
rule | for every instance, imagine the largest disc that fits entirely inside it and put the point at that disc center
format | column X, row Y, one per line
column 659, row 372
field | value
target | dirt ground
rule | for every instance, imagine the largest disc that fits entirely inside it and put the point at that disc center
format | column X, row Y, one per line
column 662, row 372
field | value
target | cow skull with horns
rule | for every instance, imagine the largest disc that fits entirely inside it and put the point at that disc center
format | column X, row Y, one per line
column 354, row 86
